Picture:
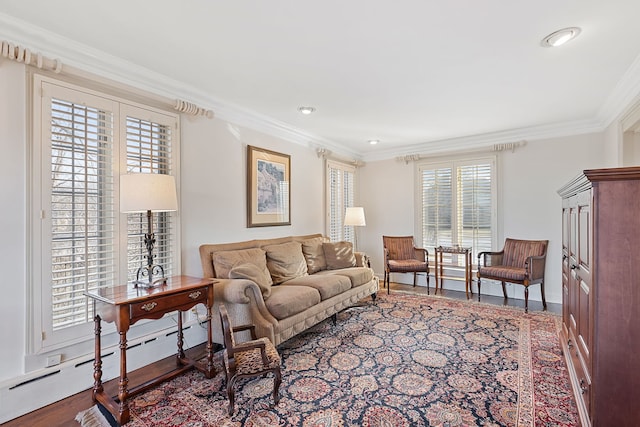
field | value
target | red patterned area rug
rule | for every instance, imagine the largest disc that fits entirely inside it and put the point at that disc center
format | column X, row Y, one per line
column 406, row 361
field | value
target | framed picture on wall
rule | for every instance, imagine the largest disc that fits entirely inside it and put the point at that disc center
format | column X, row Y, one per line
column 268, row 188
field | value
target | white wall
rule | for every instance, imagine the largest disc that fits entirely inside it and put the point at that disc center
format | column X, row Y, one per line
column 13, row 224
column 213, row 182
column 529, row 206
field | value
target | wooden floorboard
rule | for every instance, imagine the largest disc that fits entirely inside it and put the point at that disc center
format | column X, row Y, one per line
column 63, row 413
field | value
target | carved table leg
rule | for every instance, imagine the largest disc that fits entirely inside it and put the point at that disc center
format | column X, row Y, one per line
column 209, row 371
column 97, row 363
column 123, row 411
column 180, row 339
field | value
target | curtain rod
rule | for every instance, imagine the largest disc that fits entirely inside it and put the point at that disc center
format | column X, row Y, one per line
column 24, row 55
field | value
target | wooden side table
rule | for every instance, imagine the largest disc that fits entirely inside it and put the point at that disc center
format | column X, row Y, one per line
column 453, row 250
column 125, row 305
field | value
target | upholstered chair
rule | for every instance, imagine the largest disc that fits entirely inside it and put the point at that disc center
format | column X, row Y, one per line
column 248, row 359
column 520, row 261
column 402, row 256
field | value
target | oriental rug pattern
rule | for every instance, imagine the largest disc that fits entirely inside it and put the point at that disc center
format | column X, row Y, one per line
column 406, row 361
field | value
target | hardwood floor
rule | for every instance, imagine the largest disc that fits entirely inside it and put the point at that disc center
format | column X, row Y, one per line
column 63, row 413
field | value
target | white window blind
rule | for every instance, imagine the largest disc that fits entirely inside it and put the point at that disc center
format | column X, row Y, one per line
column 149, row 151
column 340, row 196
column 81, row 240
column 82, row 209
column 458, row 204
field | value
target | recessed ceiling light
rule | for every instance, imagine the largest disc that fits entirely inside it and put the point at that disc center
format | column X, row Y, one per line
column 373, row 141
column 306, row 110
column 560, row 37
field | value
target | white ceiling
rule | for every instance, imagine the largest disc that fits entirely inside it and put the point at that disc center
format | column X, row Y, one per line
column 419, row 75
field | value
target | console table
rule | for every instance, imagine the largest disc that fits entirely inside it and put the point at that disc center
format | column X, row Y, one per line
column 125, row 305
column 439, row 267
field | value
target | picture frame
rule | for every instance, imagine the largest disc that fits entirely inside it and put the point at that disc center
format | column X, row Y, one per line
column 268, row 188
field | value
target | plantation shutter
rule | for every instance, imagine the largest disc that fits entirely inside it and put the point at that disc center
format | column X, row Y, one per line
column 149, row 145
column 437, row 190
column 458, row 204
column 341, row 194
column 81, row 209
column 475, row 207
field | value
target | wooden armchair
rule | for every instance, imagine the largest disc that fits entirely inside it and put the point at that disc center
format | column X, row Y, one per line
column 402, row 256
column 248, row 359
column 520, row 261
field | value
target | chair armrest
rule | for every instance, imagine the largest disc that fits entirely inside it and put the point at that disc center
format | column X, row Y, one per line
column 534, row 267
column 421, row 253
column 251, row 345
column 494, row 258
column 250, row 328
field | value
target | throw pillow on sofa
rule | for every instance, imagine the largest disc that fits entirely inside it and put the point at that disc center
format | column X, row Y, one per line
column 314, row 254
column 225, row 261
column 259, row 276
column 285, row 261
column 339, row 255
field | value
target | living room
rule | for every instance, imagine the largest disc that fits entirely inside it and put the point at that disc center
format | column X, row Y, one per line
column 212, row 187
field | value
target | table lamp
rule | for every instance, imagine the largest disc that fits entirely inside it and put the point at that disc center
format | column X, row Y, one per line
column 148, row 192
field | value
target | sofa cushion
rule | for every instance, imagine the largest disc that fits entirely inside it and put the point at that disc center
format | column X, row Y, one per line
column 254, row 273
column 339, row 255
column 224, row 261
column 357, row 275
column 327, row 285
column 314, row 254
column 285, row 301
column 285, row 261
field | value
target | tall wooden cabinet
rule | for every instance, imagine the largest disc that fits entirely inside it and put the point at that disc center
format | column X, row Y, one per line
column 601, row 294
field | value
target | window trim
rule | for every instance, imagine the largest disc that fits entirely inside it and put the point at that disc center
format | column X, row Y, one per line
column 37, row 158
column 459, row 161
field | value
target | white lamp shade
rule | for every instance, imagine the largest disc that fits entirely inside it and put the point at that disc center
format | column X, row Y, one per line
column 141, row 192
column 354, row 216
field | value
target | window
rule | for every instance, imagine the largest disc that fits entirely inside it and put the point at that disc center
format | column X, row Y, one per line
column 340, row 196
column 458, row 201
column 84, row 141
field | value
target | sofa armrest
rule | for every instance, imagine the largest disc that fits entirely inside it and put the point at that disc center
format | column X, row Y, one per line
column 245, row 304
column 362, row 259
column 486, row 259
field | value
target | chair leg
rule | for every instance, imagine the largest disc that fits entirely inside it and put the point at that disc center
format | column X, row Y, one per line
column 504, row 290
column 387, row 277
column 231, row 394
column 415, row 278
column 277, row 380
column 526, row 299
column 544, row 302
column 479, row 283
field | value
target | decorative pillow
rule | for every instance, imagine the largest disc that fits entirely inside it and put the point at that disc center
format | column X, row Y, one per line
column 254, row 273
column 339, row 255
column 224, row 261
column 285, row 261
column 314, row 254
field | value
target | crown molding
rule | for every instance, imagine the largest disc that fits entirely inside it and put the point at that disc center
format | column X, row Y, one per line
column 76, row 54
column 80, row 56
column 488, row 140
column 624, row 95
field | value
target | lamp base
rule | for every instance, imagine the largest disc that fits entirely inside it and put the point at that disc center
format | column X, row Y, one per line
column 150, row 276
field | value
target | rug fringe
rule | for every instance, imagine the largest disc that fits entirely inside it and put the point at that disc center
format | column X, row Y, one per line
column 92, row 417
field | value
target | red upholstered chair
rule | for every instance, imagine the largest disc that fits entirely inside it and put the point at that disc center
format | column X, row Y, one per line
column 248, row 359
column 520, row 261
column 402, row 256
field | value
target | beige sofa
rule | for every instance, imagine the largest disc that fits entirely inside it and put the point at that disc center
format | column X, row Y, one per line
column 285, row 285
